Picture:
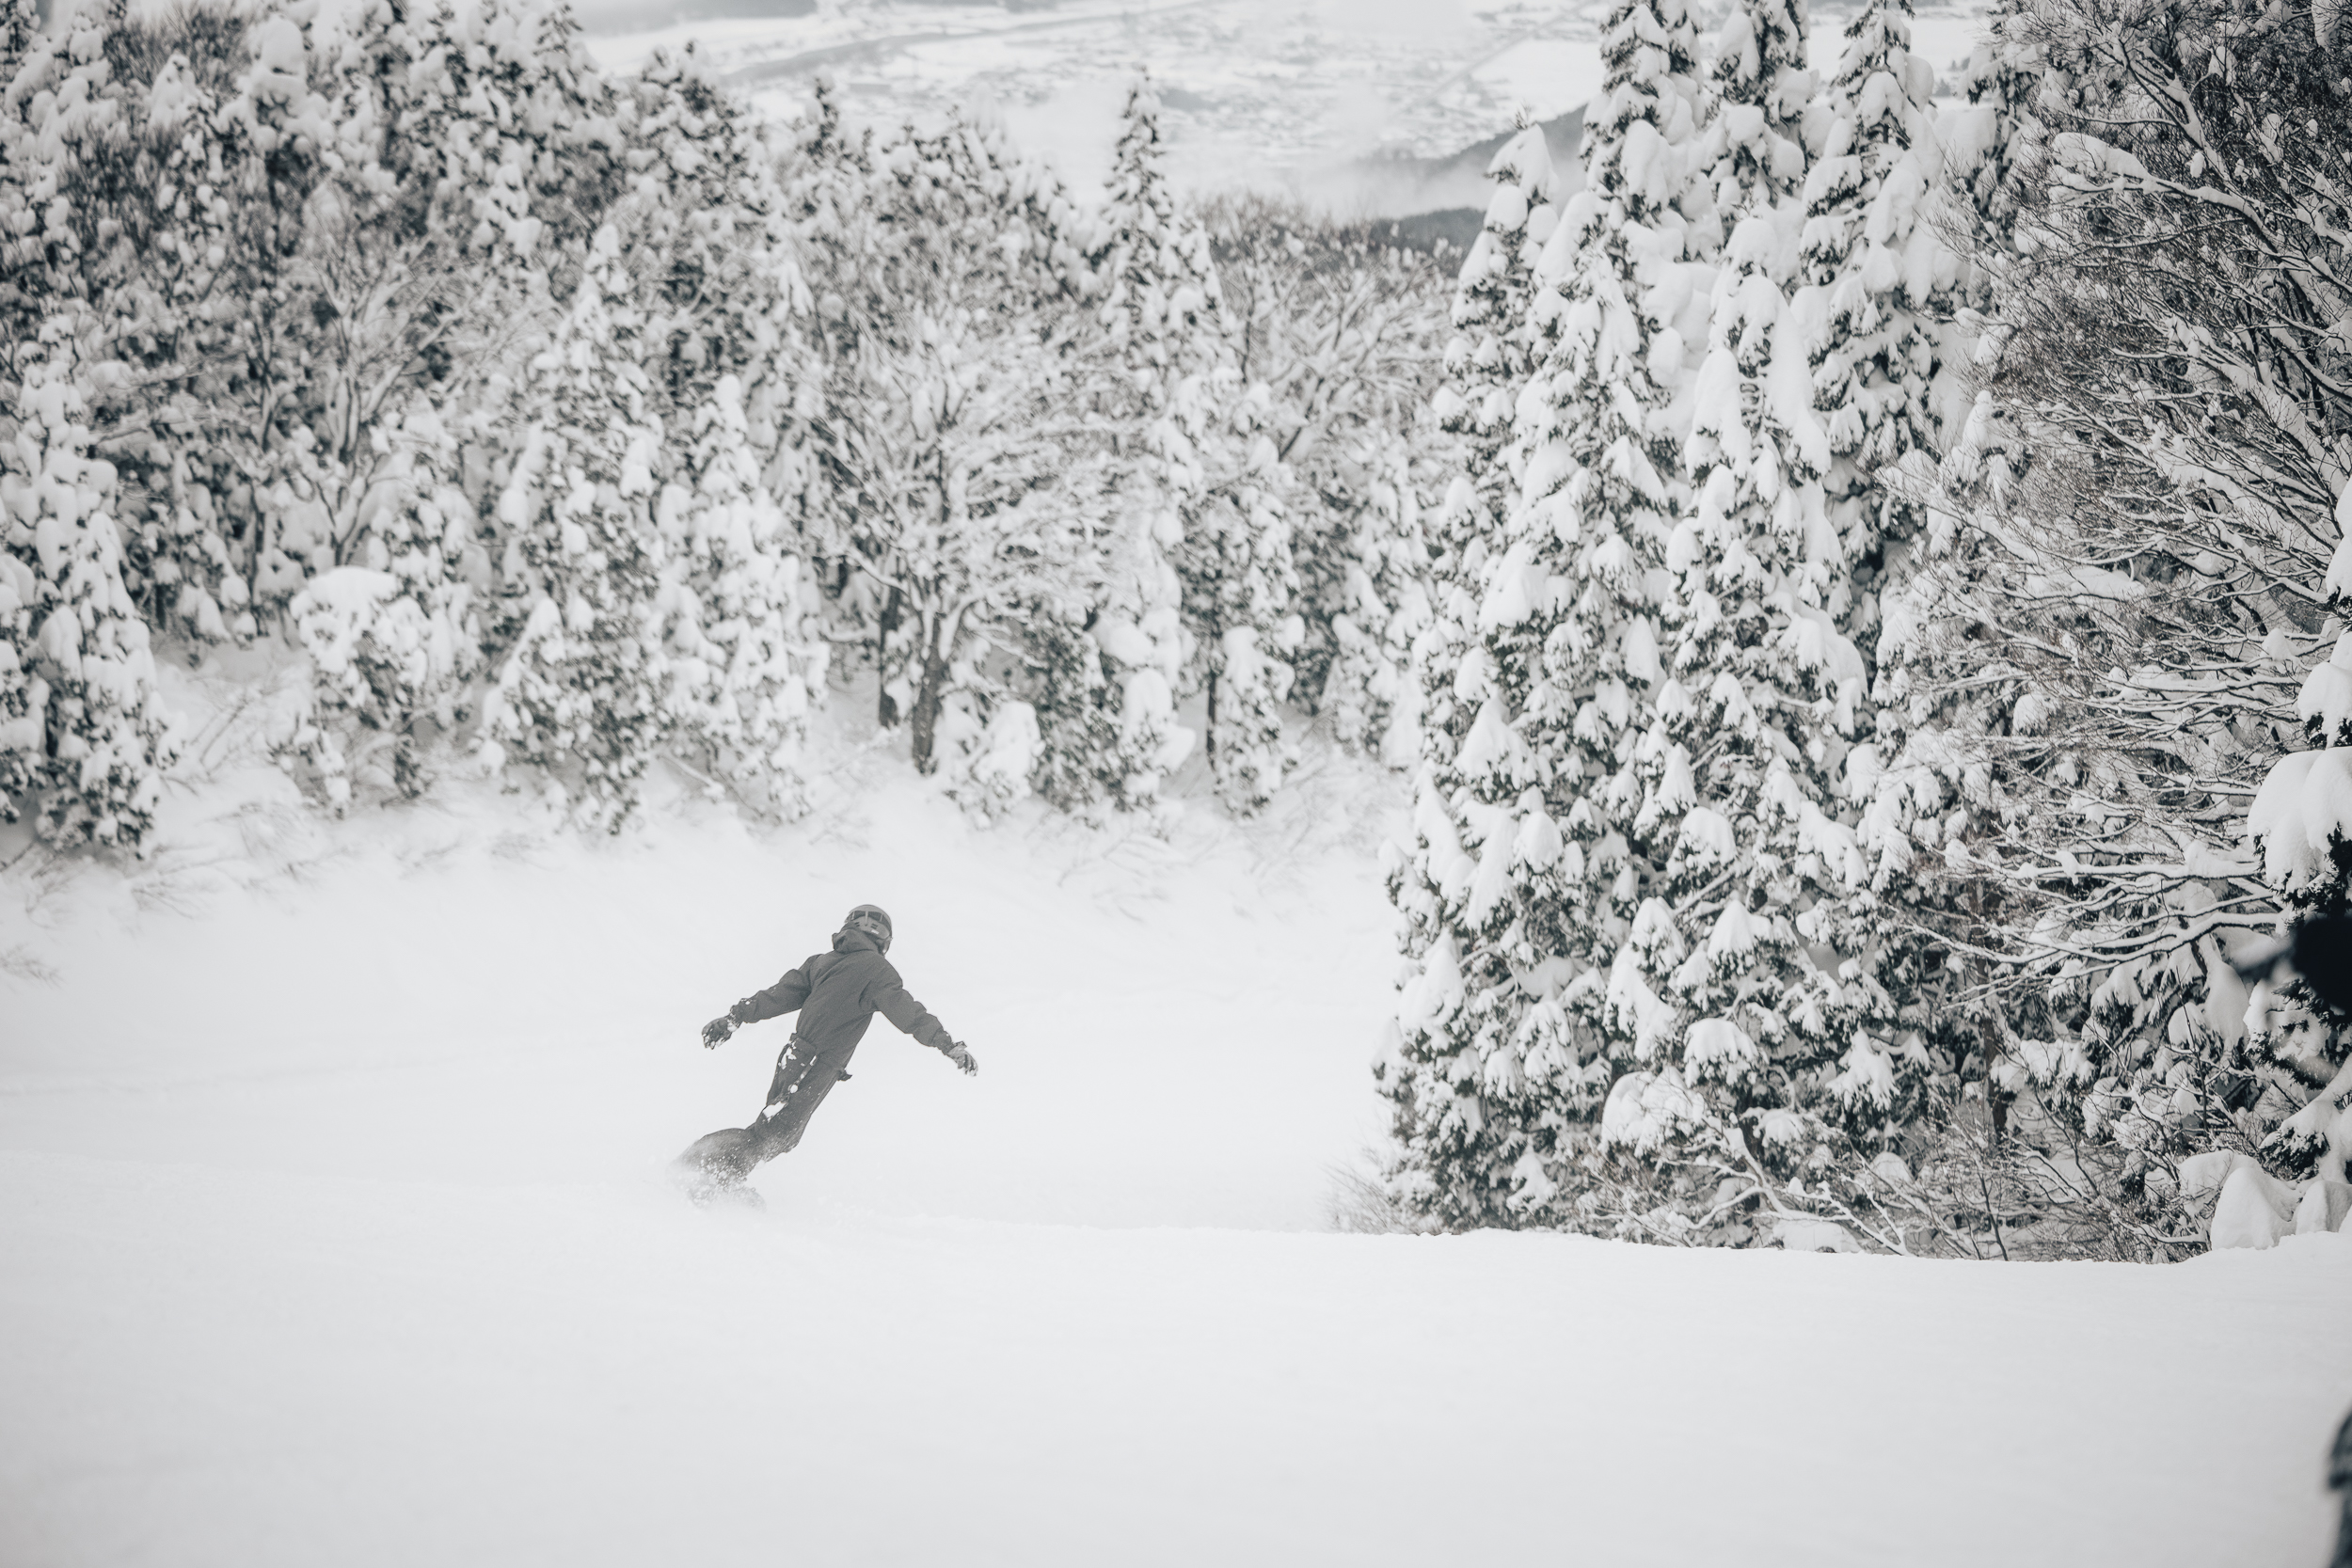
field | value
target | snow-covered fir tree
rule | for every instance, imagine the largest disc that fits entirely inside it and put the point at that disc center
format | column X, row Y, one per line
column 746, row 662
column 185, row 542
column 20, row 26
column 1934, row 691
column 1499, row 341
column 1373, row 689
column 1746, row 1001
column 1770, row 1039
column 1201, row 487
column 1992, row 143
column 23, row 696
column 1238, row 587
column 1534, row 836
column 1935, row 583
column 1494, row 350
column 86, row 731
column 41, row 115
column 1754, row 144
column 831, row 196
column 2289, row 1078
column 271, row 136
column 581, row 692
column 122, row 253
column 1877, row 279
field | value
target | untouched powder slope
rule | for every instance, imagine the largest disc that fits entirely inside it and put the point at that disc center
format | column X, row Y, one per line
column 332, row 1230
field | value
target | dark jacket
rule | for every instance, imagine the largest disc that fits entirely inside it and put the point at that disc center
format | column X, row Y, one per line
column 837, row 994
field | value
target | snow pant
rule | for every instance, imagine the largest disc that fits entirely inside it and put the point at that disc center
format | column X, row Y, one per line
column 803, row 1077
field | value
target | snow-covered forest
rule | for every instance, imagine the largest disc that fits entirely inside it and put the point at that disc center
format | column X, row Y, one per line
column 567, row 424
column 1889, row 647
column 1847, row 573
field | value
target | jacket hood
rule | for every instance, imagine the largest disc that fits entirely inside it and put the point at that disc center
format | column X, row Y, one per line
column 849, row 940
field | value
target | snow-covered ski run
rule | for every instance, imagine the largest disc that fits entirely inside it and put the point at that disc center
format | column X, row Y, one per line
column 1626, row 731
column 336, row 1232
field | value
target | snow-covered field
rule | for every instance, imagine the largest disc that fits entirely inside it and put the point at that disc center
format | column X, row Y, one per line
column 335, row 1233
column 1312, row 97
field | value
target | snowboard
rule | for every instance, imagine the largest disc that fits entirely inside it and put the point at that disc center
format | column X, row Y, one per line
column 711, row 1170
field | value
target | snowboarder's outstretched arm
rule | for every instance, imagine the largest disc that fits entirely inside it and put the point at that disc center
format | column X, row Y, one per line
column 891, row 999
column 785, row 996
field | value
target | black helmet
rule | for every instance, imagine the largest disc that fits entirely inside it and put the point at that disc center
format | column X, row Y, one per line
column 873, row 920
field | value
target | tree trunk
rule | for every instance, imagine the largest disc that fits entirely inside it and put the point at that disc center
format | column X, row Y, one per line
column 1212, row 736
column 929, row 695
column 1992, row 1038
column 885, row 710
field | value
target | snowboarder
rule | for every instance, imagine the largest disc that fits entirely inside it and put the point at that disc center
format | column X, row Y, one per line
column 2340, row 1482
column 836, row 994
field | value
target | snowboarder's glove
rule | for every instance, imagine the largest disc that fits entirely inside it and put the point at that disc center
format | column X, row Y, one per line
column 718, row 1031
column 961, row 1055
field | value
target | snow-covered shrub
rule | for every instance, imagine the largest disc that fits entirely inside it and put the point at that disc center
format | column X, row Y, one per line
column 2252, row 1209
column 1065, row 683
column 988, row 760
column 379, row 663
column 2117, row 617
column 971, row 485
column 392, row 639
